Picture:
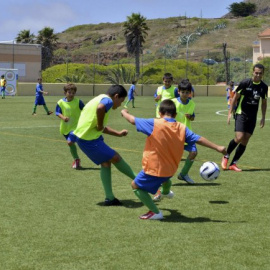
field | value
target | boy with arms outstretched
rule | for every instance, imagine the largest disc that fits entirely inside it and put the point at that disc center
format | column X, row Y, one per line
column 92, row 123
column 68, row 109
column 162, row 153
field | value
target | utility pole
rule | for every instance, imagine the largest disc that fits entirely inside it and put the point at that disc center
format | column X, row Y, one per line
column 226, row 62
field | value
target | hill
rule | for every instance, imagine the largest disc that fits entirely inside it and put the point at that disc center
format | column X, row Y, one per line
column 104, row 43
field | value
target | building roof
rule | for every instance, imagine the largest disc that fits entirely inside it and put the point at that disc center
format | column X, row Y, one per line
column 265, row 33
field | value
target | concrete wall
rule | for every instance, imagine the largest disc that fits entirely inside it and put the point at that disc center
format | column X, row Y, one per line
column 56, row 89
column 24, row 57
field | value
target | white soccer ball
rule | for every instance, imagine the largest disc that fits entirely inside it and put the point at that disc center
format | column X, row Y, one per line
column 209, row 171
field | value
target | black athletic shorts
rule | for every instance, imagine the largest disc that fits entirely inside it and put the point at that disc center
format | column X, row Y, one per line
column 244, row 123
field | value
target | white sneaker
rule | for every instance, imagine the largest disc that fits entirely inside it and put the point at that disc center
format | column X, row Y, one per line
column 185, row 178
column 152, row 215
column 159, row 196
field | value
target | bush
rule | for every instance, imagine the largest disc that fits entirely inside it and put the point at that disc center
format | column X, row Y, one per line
column 249, row 22
column 242, row 9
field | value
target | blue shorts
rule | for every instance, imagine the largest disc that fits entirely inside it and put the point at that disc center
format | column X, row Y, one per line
column 148, row 182
column 40, row 101
column 70, row 137
column 96, row 150
column 190, row 148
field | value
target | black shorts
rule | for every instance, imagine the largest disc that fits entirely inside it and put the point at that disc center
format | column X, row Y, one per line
column 244, row 123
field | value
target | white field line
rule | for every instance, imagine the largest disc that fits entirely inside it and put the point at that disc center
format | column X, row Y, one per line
column 29, row 127
column 226, row 114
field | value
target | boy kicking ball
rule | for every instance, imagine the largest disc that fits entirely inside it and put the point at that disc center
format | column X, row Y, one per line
column 162, row 153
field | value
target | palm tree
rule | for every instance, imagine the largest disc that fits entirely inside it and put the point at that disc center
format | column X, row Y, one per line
column 120, row 75
column 135, row 32
column 48, row 39
column 24, row 36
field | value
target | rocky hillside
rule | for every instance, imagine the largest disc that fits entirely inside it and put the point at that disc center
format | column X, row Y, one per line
column 82, row 43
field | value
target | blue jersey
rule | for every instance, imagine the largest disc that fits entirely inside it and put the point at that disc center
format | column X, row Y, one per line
column 146, row 126
column 148, row 182
column 131, row 92
column 39, row 88
column 39, row 95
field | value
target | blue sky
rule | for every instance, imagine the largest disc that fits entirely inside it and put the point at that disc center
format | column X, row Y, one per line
column 17, row 15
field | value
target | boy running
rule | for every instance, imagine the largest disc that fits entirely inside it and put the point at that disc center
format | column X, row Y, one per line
column 68, row 109
column 92, row 123
column 162, row 153
column 247, row 95
column 185, row 114
column 40, row 99
column 131, row 93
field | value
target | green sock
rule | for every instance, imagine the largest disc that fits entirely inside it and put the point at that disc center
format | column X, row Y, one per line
column 106, row 179
column 187, row 166
column 127, row 102
column 146, row 200
column 166, row 187
column 124, row 168
column 34, row 108
column 73, row 151
column 46, row 108
column 132, row 102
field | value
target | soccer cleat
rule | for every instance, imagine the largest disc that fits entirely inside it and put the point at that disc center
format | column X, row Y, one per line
column 152, row 215
column 125, row 107
column 233, row 167
column 159, row 196
column 185, row 178
column 34, row 113
column 76, row 164
column 224, row 163
column 49, row 112
column 114, row 202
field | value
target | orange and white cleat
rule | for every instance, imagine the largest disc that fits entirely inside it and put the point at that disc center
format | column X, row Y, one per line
column 233, row 167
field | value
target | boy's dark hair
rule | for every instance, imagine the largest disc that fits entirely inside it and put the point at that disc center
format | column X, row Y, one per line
column 133, row 82
column 260, row 66
column 117, row 89
column 2, row 76
column 167, row 76
column 70, row 86
column 167, row 107
column 231, row 83
column 185, row 85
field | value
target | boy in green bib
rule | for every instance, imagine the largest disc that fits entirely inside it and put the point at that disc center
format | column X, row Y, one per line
column 88, row 135
column 68, row 109
column 166, row 91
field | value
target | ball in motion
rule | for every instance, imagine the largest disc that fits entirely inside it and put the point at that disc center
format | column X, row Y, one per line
column 209, row 171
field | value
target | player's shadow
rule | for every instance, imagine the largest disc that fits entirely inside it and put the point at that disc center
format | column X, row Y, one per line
column 257, row 170
column 176, row 216
column 197, row 184
column 218, row 202
column 126, row 203
column 89, row 169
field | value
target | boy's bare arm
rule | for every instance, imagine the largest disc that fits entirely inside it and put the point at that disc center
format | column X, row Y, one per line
column 130, row 118
column 113, row 132
column 101, row 110
column 64, row 118
column 204, row 142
